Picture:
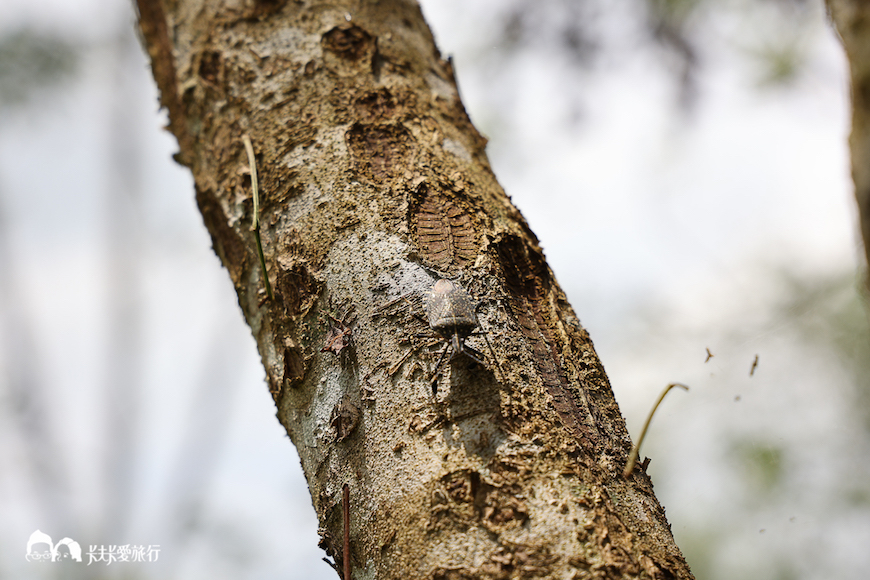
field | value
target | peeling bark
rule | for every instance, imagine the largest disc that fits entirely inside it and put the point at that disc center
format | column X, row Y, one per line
column 374, row 183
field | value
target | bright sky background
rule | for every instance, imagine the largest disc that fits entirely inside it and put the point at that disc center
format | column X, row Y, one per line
column 668, row 230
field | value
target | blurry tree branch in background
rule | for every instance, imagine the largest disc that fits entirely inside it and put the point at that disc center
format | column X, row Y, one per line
column 31, row 60
column 37, row 69
column 852, row 20
column 772, row 35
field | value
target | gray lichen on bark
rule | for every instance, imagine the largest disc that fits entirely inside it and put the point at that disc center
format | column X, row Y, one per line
column 375, row 183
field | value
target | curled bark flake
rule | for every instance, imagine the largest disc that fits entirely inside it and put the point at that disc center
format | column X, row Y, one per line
column 344, row 419
column 294, row 367
column 296, row 285
column 338, row 337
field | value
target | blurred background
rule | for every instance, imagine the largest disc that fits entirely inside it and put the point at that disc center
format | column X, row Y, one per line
column 684, row 164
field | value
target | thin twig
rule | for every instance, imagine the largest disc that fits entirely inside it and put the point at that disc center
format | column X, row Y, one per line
column 346, row 509
column 397, row 365
column 632, row 459
column 255, row 226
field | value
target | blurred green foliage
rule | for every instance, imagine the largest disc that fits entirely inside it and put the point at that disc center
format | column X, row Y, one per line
column 781, row 63
column 832, row 314
column 31, row 61
column 761, row 465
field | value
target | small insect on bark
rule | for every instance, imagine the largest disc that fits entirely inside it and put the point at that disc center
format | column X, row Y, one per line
column 338, row 337
column 453, row 315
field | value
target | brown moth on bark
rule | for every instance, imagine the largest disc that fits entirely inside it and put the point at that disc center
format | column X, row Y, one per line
column 373, row 183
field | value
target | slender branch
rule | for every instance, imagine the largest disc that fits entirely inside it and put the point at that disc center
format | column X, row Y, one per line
column 632, row 459
column 255, row 226
column 346, row 555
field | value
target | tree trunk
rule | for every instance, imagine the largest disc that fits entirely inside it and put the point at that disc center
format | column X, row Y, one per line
column 374, row 185
column 852, row 21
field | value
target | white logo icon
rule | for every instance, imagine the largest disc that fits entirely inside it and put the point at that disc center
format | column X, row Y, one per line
column 41, row 548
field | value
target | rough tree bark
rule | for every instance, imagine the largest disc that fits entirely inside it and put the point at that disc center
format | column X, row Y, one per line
column 374, row 184
column 852, row 21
